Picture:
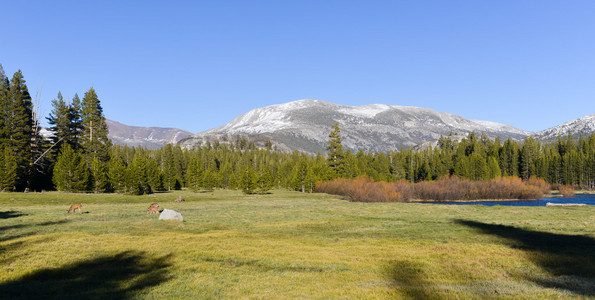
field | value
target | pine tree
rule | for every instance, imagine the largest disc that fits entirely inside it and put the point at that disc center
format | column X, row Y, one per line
column 19, row 128
column 208, row 180
column 70, row 172
column 99, row 176
column 169, row 167
column 155, row 175
column 4, row 107
column 527, row 157
column 493, row 168
column 233, row 181
column 194, row 173
column 8, row 169
column 478, row 168
column 509, row 158
column 248, row 180
column 95, row 141
column 300, row 175
column 351, row 169
column 76, row 123
column 137, row 179
column 117, row 174
column 59, row 120
column 264, row 181
column 335, row 155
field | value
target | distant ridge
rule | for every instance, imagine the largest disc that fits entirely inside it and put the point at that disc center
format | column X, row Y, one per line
column 147, row 137
column 584, row 126
column 305, row 124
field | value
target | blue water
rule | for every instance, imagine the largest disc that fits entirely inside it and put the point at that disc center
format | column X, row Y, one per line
column 586, row 199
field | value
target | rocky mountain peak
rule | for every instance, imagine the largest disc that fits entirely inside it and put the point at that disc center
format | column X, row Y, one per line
column 305, row 124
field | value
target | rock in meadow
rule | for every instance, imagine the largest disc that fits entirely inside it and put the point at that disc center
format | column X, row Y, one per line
column 168, row 214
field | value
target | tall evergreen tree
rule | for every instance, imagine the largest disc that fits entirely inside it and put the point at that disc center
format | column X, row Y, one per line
column 169, row 167
column 4, row 107
column 95, row 140
column 248, row 180
column 264, row 180
column 59, row 120
column 19, row 128
column 76, row 123
column 194, row 175
column 528, row 155
column 301, row 176
column 335, row 154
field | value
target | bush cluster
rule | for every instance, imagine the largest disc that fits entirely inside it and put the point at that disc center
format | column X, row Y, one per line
column 446, row 188
column 566, row 190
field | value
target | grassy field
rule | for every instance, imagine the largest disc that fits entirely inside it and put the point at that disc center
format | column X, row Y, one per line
column 290, row 245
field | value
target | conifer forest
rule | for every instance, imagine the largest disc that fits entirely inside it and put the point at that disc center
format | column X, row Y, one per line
column 79, row 157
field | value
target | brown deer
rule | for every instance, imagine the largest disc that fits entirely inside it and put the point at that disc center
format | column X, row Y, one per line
column 153, row 208
column 74, row 207
column 180, row 199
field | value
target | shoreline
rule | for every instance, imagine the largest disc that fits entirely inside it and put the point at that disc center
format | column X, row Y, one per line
column 474, row 200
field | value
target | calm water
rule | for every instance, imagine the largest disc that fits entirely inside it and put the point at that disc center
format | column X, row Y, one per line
column 586, row 199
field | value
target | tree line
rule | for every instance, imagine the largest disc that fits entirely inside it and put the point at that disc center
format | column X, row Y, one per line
column 79, row 157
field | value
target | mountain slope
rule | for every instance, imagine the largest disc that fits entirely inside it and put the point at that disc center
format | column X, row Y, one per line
column 148, row 137
column 305, row 124
column 584, row 126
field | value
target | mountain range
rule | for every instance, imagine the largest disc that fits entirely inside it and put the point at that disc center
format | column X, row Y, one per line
column 148, row 137
column 305, row 124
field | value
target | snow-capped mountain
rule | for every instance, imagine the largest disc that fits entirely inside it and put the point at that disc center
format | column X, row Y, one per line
column 584, row 126
column 305, row 125
column 148, row 137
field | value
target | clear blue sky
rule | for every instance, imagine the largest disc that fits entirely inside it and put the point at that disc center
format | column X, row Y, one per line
column 196, row 65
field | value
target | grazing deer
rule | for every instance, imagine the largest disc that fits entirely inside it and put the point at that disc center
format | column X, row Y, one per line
column 180, row 199
column 153, row 208
column 74, row 207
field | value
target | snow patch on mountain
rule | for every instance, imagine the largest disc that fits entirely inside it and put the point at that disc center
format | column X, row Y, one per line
column 500, row 127
column 584, row 125
column 364, row 111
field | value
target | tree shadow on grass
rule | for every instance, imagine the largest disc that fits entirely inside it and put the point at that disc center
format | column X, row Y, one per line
column 409, row 278
column 570, row 258
column 120, row 276
column 11, row 214
column 4, row 238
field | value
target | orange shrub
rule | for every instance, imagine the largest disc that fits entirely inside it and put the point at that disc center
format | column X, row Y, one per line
column 566, row 190
column 364, row 189
column 445, row 188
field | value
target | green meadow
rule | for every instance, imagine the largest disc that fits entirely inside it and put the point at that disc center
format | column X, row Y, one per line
column 289, row 245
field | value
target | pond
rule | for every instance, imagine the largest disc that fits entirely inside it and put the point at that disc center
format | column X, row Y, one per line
column 588, row 199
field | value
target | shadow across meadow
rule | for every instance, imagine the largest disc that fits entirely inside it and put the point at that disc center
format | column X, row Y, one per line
column 120, row 276
column 11, row 214
column 570, row 259
column 409, row 278
column 23, row 230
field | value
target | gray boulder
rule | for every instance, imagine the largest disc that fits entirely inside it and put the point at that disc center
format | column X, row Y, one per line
column 168, row 214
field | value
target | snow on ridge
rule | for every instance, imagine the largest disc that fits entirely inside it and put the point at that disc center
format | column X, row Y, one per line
column 259, row 120
column 366, row 111
column 586, row 122
column 296, row 104
column 499, row 126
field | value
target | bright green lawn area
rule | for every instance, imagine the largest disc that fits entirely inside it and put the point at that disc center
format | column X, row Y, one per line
column 290, row 245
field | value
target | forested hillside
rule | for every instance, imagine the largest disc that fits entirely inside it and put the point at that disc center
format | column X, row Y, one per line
column 80, row 158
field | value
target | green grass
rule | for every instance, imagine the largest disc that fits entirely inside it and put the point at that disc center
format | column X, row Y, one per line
column 290, row 245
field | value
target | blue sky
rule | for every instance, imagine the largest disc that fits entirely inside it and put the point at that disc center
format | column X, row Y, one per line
column 196, row 65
